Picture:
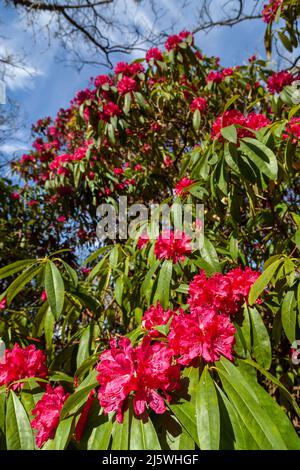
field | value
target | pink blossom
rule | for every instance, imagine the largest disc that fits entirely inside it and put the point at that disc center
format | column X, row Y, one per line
column 205, row 335
column 182, row 185
column 172, row 245
column 20, row 363
column 47, row 412
column 145, row 370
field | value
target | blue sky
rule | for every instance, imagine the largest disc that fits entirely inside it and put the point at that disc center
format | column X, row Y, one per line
column 52, row 84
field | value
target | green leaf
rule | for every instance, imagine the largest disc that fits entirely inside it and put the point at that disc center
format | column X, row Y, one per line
column 79, row 397
column 19, row 434
column 163, row 286
column 84, row 346
column 17, row 285
column 289, row 316
column 15, row 267
column 196, row 119
column 210, row 255
column 229, row 133
column 55, row 289
column 71, row 272
column 261, row 156
column 261, row 341
column 143, row 435
column 63, row 433
column 120, row 433
column 185, row 412
column 207, row 412
column 277, row 382
column 100, row 436
column 253, row 416
column 263, row 280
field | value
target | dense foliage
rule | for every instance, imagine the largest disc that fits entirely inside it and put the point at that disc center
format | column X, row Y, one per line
column 153, row 343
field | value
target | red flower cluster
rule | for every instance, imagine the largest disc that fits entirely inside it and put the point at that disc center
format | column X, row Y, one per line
column 206, row 335
column 270, row 10
column 3, row 303
column 172, row 245
column 143, row 241
column 126, row 85
column 293, row 129
column 279, row 80
column 200, row 104
column 173, row 41
column 109, row 110
column 233, row 117
column 223, row 293
column 144, row 370
column 154, row 54
column 156, row 316
column 20, row 363
column 129, row 69
column 180, row 188
column 47, row 413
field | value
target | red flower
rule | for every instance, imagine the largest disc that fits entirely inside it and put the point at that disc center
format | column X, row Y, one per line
column 223, row 293
column 126, row 85
column 44, row 296
column 33, row 203
column 155, row 316
column 293, row 129
column 143, row 370
column 198, row 103
column 270, row 10
column 103, row 80
column 3, row 303
column 109, row 110
column 180, row 188
column 47, row 413
column 172, row 245
column 61, row 219
column 227, row 72
column 257, row 121
column 279, row 80
column 129, row 69
column 143, row 241
column 234, row 117
column 206, row 335
column 80, row 426
column 172, row 42
column 215, row 77
column 20, row 363
column 154, row 54
column 15, row 196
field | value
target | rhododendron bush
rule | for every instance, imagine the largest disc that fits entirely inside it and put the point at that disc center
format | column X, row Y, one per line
column 156, row 342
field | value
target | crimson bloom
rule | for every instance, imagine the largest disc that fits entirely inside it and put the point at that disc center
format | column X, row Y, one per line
column 199, row 103
column 172, row 245
column 293, row 129
column 20, row 363
column 143, row 240
column 156, row 316
column 47, row 413
column 205, row 335
column 110, row 109
column 234, row 117
column 270, row 10
column 126, row 85
column 215, row 77
column 223, row 293
column 180, row 188
column 144, row 370
column 3, row 303
column 155, row 54
column 279, row 80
